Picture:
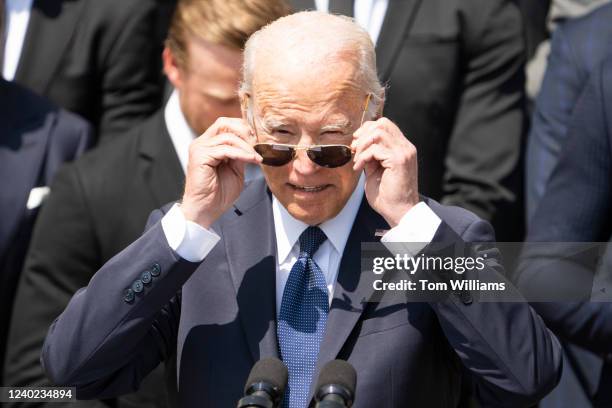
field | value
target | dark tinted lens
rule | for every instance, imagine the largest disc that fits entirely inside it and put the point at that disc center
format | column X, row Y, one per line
column 274, row 155
column 330, row 156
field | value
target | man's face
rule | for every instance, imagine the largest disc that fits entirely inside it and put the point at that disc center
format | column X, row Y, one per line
column 207, row 84
column 305, row 108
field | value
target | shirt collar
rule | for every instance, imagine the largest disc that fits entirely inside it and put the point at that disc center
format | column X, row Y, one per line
column 337, row 229
column 178, row 129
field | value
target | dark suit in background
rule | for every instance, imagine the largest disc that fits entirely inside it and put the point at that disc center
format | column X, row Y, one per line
column 577, row 207
column 455, row 75
column 578, row 47
column 535, row 16
column 35, row 139
column 98, row 206
column 100, row 59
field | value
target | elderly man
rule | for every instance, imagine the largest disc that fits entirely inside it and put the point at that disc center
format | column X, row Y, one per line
column 234, row 272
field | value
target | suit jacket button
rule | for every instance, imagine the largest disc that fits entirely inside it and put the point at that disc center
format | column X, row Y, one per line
column 146, row 277
column 155, row 269
column 466, row 297
column 128, row 295
column 137, row 286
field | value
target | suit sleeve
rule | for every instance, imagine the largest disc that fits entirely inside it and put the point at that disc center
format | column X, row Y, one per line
column 483, row 164
column 513, row 359
column 117, row 329
column 131, row 82
column 576, row 208
column 561, row 87
column 61, row 259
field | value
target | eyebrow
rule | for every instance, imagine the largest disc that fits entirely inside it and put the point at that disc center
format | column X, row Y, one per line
column 341, row 125
column 271, row 123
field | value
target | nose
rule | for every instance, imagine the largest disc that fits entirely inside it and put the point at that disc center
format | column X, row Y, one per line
column 303, row 165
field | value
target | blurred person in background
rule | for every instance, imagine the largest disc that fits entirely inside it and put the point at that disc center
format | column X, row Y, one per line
column 558, row 12
column 99, row 59
column 578, row 47
column 36, row 137
column 577, row 207
column 455, row 76
column 101, row 203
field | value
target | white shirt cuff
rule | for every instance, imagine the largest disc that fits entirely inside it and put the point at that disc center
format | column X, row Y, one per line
column 189, row 240
column 417, row 228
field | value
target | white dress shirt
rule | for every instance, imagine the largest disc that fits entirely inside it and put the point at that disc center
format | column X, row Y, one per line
column 370, row 14
column 179, row 130
column 17, row 17
column 192, row 242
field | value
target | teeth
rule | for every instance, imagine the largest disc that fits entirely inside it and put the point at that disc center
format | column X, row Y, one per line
column 309, row 189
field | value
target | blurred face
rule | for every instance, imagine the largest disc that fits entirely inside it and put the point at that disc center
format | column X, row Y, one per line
column 307, row 107
column 208, row 84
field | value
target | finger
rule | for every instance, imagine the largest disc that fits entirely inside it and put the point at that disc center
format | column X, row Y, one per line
column 365, row 141
column 375, row 152
column 233, row 140
column 365, row 128
column 231, row 125
column 225, row 139
column 389, row 133
column 218, row 154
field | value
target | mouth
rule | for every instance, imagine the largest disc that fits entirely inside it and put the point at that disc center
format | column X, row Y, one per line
column 309, row 189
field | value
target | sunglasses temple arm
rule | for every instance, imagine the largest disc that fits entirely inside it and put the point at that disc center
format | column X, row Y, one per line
column 365, row 108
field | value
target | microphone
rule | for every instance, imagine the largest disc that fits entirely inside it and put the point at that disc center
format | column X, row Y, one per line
column 336, row 385
column 266, row 384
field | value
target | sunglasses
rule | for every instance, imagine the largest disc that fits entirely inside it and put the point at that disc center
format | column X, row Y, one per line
column 329, row 156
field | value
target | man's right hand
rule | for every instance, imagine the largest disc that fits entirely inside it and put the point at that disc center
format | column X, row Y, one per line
column 215, row 172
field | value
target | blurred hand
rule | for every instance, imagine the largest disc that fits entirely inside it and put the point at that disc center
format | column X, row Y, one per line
column 390, row 164
column 215, row 172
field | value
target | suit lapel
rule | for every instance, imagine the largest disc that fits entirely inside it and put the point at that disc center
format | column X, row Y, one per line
column 160, row 164
column 398, row 21
column 353, row 288
column 50, row 29
column 250, row 239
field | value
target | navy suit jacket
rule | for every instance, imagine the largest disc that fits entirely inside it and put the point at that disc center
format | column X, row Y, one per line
column 220, row 317
column 577, row 207
column 578, row 47
column 35, row 139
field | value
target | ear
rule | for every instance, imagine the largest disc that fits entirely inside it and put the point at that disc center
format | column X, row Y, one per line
column 244, row 105
column 379, row 111
column 171, row 69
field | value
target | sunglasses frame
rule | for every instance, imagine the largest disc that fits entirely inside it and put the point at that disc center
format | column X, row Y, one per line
column 295, row 148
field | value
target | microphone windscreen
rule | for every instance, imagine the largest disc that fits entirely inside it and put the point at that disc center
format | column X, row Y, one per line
column 269, row 370
column 338, row 372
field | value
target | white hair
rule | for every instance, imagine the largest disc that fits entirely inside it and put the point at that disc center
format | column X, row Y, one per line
column 316, row 33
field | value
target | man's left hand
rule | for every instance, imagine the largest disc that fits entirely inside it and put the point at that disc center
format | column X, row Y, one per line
column 390, row 164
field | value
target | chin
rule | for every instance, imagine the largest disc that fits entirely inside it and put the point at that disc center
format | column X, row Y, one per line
column 311, row 215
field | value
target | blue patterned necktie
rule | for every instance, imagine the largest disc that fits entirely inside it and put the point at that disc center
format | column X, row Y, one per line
column 302, row 319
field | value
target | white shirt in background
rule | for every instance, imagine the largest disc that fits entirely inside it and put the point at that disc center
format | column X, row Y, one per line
column 17, row 18
column 370, row 14
column 180, row 132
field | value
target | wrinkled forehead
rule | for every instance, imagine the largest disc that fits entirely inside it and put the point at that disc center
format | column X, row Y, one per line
column 308, row 85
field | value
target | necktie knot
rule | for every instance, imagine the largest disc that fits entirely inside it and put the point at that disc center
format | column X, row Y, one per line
column 310, row 240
